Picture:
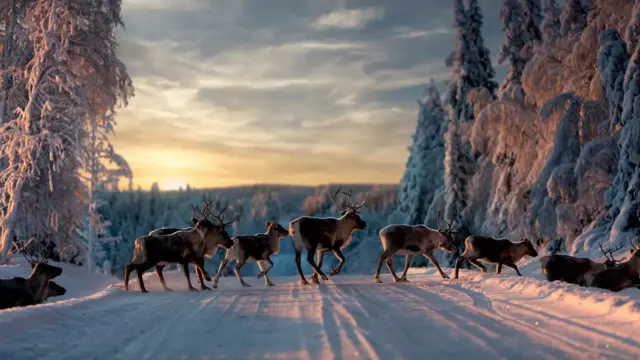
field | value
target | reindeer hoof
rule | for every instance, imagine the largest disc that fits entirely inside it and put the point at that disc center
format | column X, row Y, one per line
column 143, row 290
column 444, row 276
column 192, row 289
column 334, row 272
column 303, row 282
column 215, row 286
column 324, row 277
column 270, row 284
column 314, row 280
column 404, row 279
column 205, row 288
column 168, row 289
column 261, row 274
column 245, row 285
column 377, row 280
column 208, row 278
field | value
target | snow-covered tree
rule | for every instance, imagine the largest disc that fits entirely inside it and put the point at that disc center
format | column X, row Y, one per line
column 612, row 64
column 573, row 18
column 480, row 72
column 459, row 86
column 633, row 29
column 74, row 73
column 532, row 15
column 424, row 171
column 550, row 26
column 458, row 170
column 515, row 39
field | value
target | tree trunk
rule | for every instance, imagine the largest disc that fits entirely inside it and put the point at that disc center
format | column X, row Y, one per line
column 10, row 221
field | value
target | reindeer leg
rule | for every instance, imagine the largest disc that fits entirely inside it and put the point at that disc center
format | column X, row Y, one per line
column 223, row 263
column 313, row 264
column 185, row 269
column 140, row 269
column 499, row 268
column 303, row 281
column 314, row 276
column 435, row 263
column 267, row 281
column 477, row 264
column 127, row 271
column 391, row 270
column 200, row 273
column 514, row 267
column 459, row 261
column 385, row 254
column 338, row 253
column 161, row 277
column 239, row 264
column 407, row 263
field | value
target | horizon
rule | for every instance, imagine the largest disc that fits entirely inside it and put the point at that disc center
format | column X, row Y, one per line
column 231, row 94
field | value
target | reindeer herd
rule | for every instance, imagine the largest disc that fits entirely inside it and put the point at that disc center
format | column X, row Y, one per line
column 190, row 245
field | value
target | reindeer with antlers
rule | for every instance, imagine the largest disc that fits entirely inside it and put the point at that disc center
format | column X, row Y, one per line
column 36, row 288
column 412, row 240
column 325, row 234
column 621, row 276
column 183, row 247
column 573, row 269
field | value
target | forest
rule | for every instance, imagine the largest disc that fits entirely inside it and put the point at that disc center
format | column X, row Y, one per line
column 550, row 152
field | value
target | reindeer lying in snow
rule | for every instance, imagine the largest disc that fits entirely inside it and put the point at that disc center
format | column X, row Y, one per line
column 182, row 247
column 33, row 290
column 325, row 234
column 619, row 277
column 412, row 240
column 258, row 248
column 573, row 269
column 500, row 251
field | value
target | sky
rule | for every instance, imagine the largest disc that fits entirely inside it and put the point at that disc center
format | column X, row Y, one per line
column 237, row 92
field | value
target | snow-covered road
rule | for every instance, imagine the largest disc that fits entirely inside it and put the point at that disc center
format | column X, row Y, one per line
column 484, row 316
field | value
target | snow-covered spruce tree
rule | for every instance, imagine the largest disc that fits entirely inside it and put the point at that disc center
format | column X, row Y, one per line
column 622, row 199
column 633, row 29
column 74, row 73
column 459, row 87
column 612, row 64
column 480, row 71
column 550, row 26
column 424, row 171
column 532, row 17
column 458, row 170
column 573, row 18
column 515, row 38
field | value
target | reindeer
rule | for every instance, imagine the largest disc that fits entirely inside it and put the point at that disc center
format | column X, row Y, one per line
column 573, row 269
column 32, row 290
column 410, row 240
column 325, row 234
column 494, row 251
column 182, row 247
column 258, row 248
column 54, row 290
column 619, row 277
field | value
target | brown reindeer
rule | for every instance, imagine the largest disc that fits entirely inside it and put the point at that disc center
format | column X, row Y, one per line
column 254, row 248
column 325, row 234
column 619, row 277
column 411, row 240
column 494, row 251
column 33, row 290
column 573, row 269
column 53, row 290
column 182, row 247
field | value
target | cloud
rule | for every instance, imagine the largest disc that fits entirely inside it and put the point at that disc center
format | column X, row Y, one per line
column 348, row 19
column 421, row 34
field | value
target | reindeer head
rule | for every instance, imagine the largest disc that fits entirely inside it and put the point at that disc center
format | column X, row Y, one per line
column 38, row 259
column 54, row 289
column 608, row 254
column 273, row 226
column 352, row 211
column 531, row 251
column 447, row 239
column 635, row 249
column 216, row 234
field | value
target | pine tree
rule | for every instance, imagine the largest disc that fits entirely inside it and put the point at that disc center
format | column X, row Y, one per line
column 457, row 165
column 532, row 15
column 612, row 64
column 459, row 86
column 633, row 29
column 481, row 72
column 573, row 18
column 550, row 26
column 424, row 169
column 515, row 39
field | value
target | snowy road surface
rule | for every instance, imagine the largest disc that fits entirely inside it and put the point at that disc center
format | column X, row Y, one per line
column 478, row 316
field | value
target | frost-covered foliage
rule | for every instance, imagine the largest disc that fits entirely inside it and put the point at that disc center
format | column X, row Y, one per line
column 423, row 172
column 573, row 17
column 633, row 29
column 550, row 26
column 612, row 64
column 72, row 73
column 515, row 40
column 480, row 71
column 532, row 16
column 135, row 213
column 459, row 87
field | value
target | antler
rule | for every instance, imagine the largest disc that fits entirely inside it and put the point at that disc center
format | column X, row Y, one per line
column 608, row 254
column 206, row 212
column 220, row 216
column 350, row 204
column 334, row 195
column 41, row 256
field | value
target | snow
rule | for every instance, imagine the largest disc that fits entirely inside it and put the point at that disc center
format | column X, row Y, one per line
column 486, row 316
